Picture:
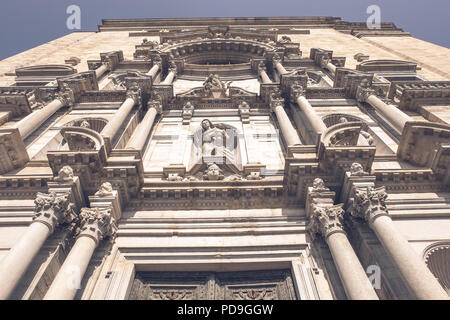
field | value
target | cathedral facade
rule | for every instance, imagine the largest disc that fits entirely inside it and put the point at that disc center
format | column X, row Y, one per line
column 226, row 158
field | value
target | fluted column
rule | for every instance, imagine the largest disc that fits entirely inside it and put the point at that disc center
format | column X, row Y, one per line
column 262, row 70
column 140, row 135
column 113, row 126
column 369, row 203
column 51, row 210
column 31, row 122
column 326, row 220
column 96, row 224
column 390, row 112
column 298, row 95
column 277, row 64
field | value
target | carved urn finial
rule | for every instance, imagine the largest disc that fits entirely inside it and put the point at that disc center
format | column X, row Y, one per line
column 105, row 190
column 65, row 174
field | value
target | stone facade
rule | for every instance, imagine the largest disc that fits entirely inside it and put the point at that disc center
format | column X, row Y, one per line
column 247, row 158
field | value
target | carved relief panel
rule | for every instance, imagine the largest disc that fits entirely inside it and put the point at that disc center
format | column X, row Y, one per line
column 243, row 285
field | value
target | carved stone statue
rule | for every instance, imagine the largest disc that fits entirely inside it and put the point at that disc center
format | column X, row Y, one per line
column 213, row 139
column 285, row 39
column 85, row 124
column 319, row 185
column 214, row 84
column 357, row 169
column 106, row 189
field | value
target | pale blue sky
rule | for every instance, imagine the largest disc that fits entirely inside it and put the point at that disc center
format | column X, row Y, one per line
column 28, row 23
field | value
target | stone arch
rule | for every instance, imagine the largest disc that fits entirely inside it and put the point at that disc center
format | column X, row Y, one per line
column 201, row 51
column 334, row 118
column 437, row 258
column 95, row 123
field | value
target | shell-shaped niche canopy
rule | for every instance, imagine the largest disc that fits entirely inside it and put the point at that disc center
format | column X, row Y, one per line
column 437, row 259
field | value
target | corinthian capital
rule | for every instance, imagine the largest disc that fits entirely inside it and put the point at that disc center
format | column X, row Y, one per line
column 157, row 60
column 53, row 209
column 324, row 61
column 276, row 59
column 262, row 67
column 155, row 102
column 327, row 219
column 108, row 62
column 135, row 93
column 364, row 91
column 276, row 99
column 97, row 223
column 297, row 90
column 66, row 95
column 172, row 66
column 369, row 203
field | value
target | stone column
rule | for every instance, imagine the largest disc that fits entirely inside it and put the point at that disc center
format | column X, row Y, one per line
column 331, row 67
column 140, row 135
column 298, row 95
column 287, row 129
column 51, row 210
column 369, row 203
column 262, row 70
column 326, row 219
column 96, row 224
column 172, row 73
column 326, row 64
column 101, row 70
column 155, row 68
column 113, row 126
column 277, row 64
column 389, row 112
column 31, row 122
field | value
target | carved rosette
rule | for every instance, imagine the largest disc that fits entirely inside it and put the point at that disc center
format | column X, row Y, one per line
column 328, row 220
column 369, row 203
column 53, row 209
column 297, row 90
column 97, row 223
